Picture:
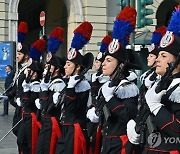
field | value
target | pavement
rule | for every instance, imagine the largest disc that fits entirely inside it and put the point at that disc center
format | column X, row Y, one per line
column 8, row 144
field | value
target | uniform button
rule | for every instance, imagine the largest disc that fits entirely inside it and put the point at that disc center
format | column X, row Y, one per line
column 106, row 133
column 107, row 127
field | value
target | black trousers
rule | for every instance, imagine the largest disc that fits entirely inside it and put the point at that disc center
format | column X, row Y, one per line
column 24, row 138
column 6, row 106
column 44, row 138
column 17, row 117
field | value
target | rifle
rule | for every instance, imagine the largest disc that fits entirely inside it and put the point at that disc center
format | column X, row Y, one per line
column 164, row 83
column 100, row 102
column 144, row 113
column 99, row 71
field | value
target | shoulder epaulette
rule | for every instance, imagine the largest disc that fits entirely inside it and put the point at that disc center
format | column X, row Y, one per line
column 82, row 86
column 35, row 86
column 126, row 89
column 57, row 85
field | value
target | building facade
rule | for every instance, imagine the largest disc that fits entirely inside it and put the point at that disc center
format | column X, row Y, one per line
column 65, row 13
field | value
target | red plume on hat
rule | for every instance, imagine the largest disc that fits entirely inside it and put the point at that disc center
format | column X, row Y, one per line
column 104, row 45
column 37, row 49
column 155, row 41
column 105, row 42
column 157, row 35
column 82, row 35
column 22, row 31
column 55, row 39
column 124, row 25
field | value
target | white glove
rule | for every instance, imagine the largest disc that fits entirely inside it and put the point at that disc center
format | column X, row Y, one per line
column 26, row 86
column 92, row 115
column 18, row 101
column 107, row 91
column 148, row 83
column 131, row 133
column 72, row 82
column 153, row 99
column 44, row 86
column 94, row 77
column 37, row 103
column 55, row 97
column 3, row 97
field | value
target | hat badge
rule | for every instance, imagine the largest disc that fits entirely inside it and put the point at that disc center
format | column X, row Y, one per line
column 19, row 46
column 167, row 39
column 99, row 56
column 48, row 57
column 114, row 46
column 72, row 54
column 151, row 47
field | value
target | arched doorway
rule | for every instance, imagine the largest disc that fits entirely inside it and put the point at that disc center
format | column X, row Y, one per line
column 164, row 12
column 65, row 14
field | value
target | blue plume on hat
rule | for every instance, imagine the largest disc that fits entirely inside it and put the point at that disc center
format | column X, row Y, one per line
column 37, row 49
column 174, row 25
column 124, row 25
column 104, row 43
column 55, row 39
column 157, row 35
column 82, row 35
column 22, row 31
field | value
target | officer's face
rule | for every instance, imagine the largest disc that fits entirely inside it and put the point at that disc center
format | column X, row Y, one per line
column 69, row 68
column 97, row 64
column 151, row 60
column 162, row 62
column 34, row 75
column 52, row 69
column 19, row 57
column 109, row 65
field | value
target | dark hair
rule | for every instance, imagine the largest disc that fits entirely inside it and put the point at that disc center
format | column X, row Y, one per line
column 10, row 67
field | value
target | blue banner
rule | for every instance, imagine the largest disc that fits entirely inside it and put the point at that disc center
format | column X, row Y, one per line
column 6, row 57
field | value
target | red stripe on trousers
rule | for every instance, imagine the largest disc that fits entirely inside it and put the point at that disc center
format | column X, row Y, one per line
column 55, row 134
column 79, row 140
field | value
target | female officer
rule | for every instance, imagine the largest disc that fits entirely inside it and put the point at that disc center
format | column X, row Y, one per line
column 150, row 76
column 97, row 80
column 118, row 97
column 164, row 102
column 74, row 134
column 28, row 131
column 51, row 87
